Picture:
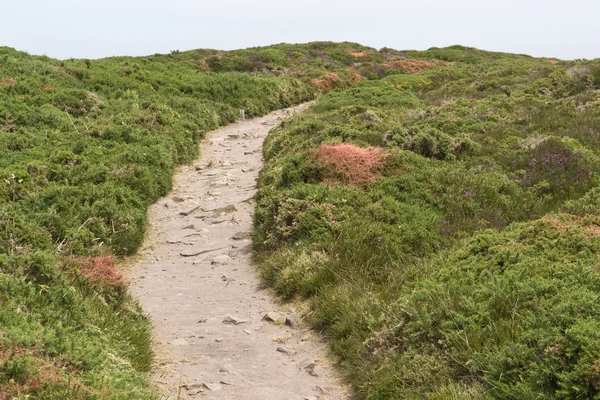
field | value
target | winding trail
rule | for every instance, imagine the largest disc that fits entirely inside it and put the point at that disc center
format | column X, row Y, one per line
column 196, row 280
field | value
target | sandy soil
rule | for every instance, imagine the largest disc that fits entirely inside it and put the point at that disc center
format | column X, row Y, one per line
column 196, row 280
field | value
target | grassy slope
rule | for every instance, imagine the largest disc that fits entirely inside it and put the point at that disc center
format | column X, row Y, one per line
column 468, row 268
column 85, row 147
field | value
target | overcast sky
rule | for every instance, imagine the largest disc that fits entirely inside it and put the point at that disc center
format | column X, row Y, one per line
column 102, row 28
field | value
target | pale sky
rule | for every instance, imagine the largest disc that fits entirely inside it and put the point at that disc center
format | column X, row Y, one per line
column 102, row 28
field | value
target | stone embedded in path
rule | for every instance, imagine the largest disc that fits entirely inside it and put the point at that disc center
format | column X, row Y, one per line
column 228, row 369
column 233, row 320
column 197, row 253
column 178, row 199
column 225, row 278
column 274, row 317
column 195, row 391
column 242, row 236
column 213, row 387
column 224, row 210
column 186, row 213
column 286, row 350
column 198, row 388
column 306, row 364
column 223, row 259
column 219, row 184
column 293, row 320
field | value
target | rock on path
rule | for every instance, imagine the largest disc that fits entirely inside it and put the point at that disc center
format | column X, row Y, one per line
column 196, row 280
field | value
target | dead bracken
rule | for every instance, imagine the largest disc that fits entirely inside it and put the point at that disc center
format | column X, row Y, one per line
column 350, row 164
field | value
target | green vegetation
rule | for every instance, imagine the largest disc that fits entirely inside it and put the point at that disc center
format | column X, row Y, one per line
column 437, row 210
column 441, row 218
column 86, row 147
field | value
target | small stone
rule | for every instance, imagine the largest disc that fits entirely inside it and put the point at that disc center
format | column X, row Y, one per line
column 324, row 389
column 189, row 227
column 177, row 199
column 221, row 260
column 213, row 387
column 317, row 371
column 307, row 365
column 193, row 392
column 286, row 350
column 242, row 236
column 312, row 398
column 274, row 317
column 228, row 369
column 293, row 320
column 224, row 210
column 188, row 386
column 233, row 320
column 219, row 184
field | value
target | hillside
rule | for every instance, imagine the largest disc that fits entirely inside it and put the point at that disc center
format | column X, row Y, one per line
column 437, row 211
column 86, row 147
column 443, row 225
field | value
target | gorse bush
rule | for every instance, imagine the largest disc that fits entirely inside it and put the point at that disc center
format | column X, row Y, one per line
column 468, row 267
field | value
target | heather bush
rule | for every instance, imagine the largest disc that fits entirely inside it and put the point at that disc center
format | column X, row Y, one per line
column 449, row 275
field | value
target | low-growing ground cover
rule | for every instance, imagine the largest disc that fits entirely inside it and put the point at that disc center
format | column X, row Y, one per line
column 441, row 220
column 437, row 209
column 85, row 147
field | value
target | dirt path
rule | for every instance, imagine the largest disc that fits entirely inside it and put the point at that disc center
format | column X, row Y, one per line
column 197, row 282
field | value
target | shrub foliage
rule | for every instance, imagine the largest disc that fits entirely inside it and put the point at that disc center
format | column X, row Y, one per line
column 465, row 264
column 85, row 148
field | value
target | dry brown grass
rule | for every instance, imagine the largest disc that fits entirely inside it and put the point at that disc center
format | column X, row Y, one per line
column 46, row 372
column 351, row 164
column 7, row 81
column 101, row 268
column 411, row 66
column 326, row 82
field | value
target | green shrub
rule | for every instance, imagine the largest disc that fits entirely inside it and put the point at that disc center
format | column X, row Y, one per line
column 450, row 275
column 86, row 147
